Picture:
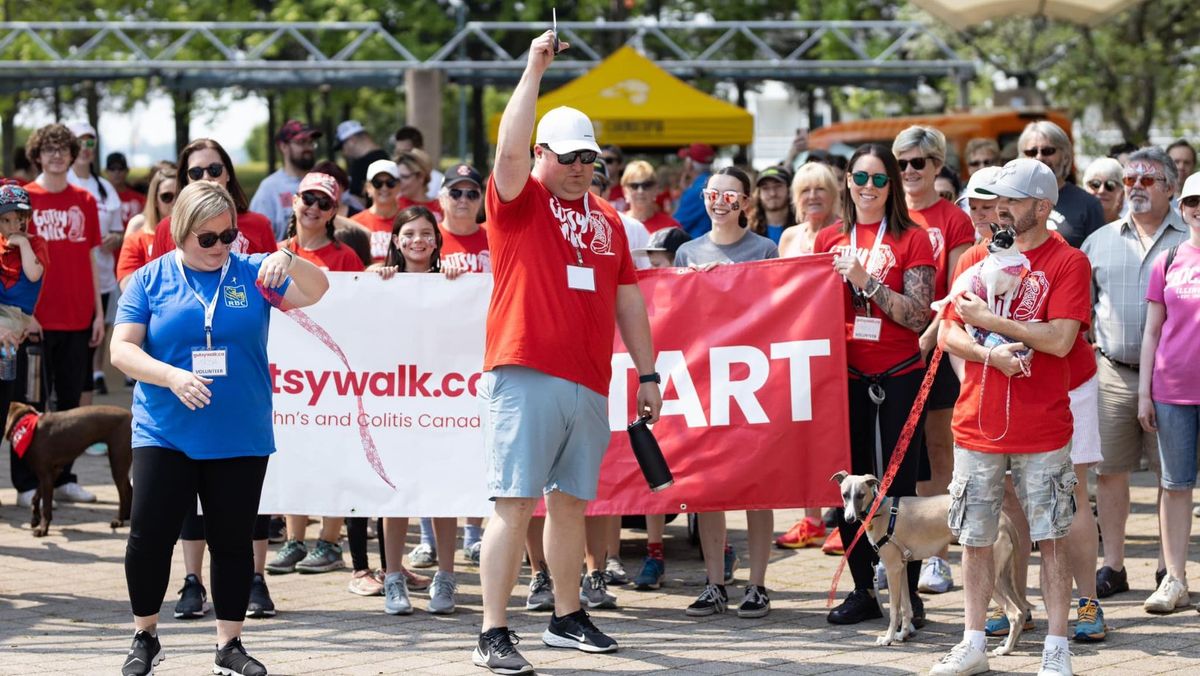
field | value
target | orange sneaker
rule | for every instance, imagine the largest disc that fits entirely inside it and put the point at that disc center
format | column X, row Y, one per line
column 806, row 533
column 833, row 544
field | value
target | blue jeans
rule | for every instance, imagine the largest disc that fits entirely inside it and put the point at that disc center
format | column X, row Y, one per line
column 1178, row 442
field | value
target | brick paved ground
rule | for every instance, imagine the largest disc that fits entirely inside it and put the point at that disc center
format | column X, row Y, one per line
column 64, row 610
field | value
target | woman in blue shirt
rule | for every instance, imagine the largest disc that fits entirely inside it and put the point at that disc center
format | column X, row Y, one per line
column 191, row 328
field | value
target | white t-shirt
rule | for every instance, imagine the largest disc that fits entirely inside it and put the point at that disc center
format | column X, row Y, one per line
column 639, row 238
column 109, row 208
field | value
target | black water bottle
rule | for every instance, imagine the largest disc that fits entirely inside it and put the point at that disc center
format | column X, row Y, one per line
column 649, row 456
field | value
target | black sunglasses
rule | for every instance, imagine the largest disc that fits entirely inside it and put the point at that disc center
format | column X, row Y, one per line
column 1044, row 151
column 323, row 202
column 1191, row 202
column 979, row 164
column 214, row 170
column 209, row 239
column 586, row 156
column 381, row 183
column 639, row 186
column 611, row 160
column 861, row 177
column 1109, row 185
column 458, row 193
column 917, row 163
column 166, row 197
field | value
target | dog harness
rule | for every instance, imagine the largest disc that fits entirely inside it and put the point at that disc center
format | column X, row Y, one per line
column 22, row 433
column 889, row 536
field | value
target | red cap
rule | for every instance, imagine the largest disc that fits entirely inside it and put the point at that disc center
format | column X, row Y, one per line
column 699, row 152
column 296, row 129
column 324, row 183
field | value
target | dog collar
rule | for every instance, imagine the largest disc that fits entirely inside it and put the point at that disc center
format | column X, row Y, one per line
column 22, row 433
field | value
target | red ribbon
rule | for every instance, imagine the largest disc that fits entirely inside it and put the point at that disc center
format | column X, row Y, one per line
column 898, row 453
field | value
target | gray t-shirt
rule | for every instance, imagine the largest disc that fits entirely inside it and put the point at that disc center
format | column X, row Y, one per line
column 274, row 200
column 702, row 250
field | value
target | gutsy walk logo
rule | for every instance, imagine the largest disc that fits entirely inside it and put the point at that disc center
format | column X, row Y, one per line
column 406, row 380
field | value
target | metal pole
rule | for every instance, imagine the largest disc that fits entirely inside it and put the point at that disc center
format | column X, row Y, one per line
column 461, row 21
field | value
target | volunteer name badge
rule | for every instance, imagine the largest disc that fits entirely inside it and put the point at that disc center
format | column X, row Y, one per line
column 867, row 328
column 581, row 278
column 209, row 362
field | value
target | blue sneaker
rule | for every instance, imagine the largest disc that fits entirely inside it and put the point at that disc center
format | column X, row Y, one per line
column 651, row 577
column 1089, row 621
column 997, row 624
column 731, row 564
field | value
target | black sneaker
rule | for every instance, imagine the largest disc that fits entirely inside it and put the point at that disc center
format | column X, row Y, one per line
column 497, row 652
column 99, row 385
column 145, row 653
column 192, row 599
column 276, row 530
column 859, row 606
column 918, row 610
column 711, row 601
column 232, row 660
column 577, row 631
column 260, row 604
column 756, row 603
column 1109, row 582
column 1158, row 577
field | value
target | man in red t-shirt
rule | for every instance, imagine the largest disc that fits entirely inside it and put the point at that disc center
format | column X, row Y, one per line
column 464, row 241
column 564, row 280
column 1022, row 422
column 69, row 316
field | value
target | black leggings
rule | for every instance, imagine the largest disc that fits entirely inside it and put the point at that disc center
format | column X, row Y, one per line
column 356, row 533
column 900, row 391
column 193, row 526
column 165, row 485
column 64, row 360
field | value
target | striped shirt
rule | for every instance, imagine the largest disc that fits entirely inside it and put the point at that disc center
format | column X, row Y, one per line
column 1121, row 263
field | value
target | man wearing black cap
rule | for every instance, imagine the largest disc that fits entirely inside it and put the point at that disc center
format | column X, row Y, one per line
column 116, row 168
column 297, row 143
column 773, row 208
column 662, row 246
column 464, row 243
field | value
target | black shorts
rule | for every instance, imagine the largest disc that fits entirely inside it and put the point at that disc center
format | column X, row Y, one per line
column 943, row 393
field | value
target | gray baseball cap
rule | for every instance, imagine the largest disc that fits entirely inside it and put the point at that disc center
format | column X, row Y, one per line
column 1023, row 178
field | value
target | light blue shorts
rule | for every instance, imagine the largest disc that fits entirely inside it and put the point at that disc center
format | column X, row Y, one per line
column 541, row 434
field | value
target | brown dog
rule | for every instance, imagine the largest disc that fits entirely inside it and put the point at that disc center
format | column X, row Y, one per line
column 60, row 437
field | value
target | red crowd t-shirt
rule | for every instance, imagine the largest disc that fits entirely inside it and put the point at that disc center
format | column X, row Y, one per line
column 381, row 232
column 660, row 221
column 1038, row 418
column 432, row 205
column 1082, row 362
column 949, row 228
column 535, row 319
column 896, row 343
column 132, row 204
column 469, row 252
column 255, row 235
column 70, row 224
column 334, row 257
column 136, row 250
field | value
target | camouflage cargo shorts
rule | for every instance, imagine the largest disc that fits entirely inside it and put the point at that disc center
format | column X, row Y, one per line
column 1044, row 484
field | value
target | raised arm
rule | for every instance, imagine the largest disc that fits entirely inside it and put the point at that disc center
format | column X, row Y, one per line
column 511, row 169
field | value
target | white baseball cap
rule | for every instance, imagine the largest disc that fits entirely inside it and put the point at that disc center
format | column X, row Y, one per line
column 1024, row 177
column 1191, row 187
column 978, row 180
column 347, row 129
column 566, row 130
column 82, row 129
column 382, row 167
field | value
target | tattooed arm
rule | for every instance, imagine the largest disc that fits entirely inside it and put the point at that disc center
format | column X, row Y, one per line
column 911, row 308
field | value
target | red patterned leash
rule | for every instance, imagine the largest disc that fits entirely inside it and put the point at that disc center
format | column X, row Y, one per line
column 305, row 322
column 898, row 453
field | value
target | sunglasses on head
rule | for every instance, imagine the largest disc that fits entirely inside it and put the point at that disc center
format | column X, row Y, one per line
column 1191, row 202
column 918, row 163
column 979, row 164
column 166, row 197
column 860, row 178
column 459, row 193
column 380, row 183
column 208, row 240
column 640, row 186
column 585, row 156
column 727, row 196
column 1143, row 179
column 1044, row 151
column 323, row 202
column 1109, row 185
column 214, row 170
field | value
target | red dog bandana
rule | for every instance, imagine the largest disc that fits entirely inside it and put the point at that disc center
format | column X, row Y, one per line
column 22, row 433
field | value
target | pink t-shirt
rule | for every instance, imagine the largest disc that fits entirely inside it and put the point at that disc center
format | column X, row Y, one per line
column 1179, row 291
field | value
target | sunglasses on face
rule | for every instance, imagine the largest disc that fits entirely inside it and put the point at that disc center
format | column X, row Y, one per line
column 644, row 185
column 166, row 197
column 860, row 179
column 323, row 202
column 1110, row 185
column 585, row 156
column 380, row 183
column 214, row 170
column 608, row 159
column 87, row 142
column 208, row 240
column 1191, row 202
column 918, row 163
column 727, row 196
column 1142, row 179
column 459, row 193
column 979, row 164
column 1043, row 151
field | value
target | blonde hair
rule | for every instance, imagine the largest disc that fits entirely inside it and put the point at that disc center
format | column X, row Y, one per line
column 819, row 174
column 637, row 171
column 928, row 140
column 1105, row 169
column 417, row 160
column 197, row 204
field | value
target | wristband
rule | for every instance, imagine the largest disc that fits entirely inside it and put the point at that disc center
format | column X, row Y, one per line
column 872, row 292
column 291, row 257
column 650, row 378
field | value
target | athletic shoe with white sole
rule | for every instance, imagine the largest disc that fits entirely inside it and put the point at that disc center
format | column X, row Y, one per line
column 962, row 660
column 192, row 599
column 935, row 576
column 496, row 651
column 714, row 599
column 1056, row 662
column 614, row 572
column 291, row 553
column 1171, row 595
column 232, row 660
column 260, row 605
column 145, row 654
column 441, row 593
column 577, row 631
column 593, row 592
column 324, row 558
column 73, row 492
column 541, row 591
column 422, row 556
column 651, row 577
column 755, row 603
column 395, row 595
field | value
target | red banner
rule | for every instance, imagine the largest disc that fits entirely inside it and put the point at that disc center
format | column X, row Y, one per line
column 753, row 363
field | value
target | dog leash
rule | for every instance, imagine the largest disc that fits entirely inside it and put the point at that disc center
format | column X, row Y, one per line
column 898, row 453
column 1007, row 398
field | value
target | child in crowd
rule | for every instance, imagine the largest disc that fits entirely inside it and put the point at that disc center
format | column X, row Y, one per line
column 22, row 261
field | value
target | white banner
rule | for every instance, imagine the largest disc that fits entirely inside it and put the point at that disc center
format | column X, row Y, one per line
column 414, row 345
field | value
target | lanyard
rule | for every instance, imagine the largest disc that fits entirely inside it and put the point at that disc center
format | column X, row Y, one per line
column 587, row 215
column 210, row 308
column 874, row 247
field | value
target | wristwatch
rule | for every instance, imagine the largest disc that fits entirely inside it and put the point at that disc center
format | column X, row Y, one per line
column 650, row 378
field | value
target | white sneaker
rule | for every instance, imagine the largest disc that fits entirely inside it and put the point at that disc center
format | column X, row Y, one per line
column 73, row 492
column 935, row 576
column 422, row 556
column 1171, row 595
column 880, row 576
column 1056, row 662
column 963, row 659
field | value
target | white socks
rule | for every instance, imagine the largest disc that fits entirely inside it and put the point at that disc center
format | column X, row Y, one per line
column 977, row 639
column 1053, row 642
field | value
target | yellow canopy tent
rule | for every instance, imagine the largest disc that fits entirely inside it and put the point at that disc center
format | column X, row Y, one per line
column 634, row 103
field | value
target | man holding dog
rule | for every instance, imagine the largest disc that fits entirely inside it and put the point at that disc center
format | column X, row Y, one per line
column 1029, row 381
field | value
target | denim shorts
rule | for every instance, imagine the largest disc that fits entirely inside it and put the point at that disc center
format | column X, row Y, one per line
column 541, row 434
column 1044, row 483
column 1178, row 429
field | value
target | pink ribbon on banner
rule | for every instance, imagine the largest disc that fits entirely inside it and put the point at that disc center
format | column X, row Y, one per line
column 305, row 322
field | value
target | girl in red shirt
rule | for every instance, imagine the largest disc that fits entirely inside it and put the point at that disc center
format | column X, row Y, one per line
column 888, row 265
column 415, row 170
column 383, row 187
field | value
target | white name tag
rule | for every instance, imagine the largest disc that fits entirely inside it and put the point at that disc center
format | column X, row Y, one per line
column 581, row 278
column 867, row 328
column 209, row 363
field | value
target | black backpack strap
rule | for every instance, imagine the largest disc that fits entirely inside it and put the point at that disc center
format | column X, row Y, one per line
column 1170, row 258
